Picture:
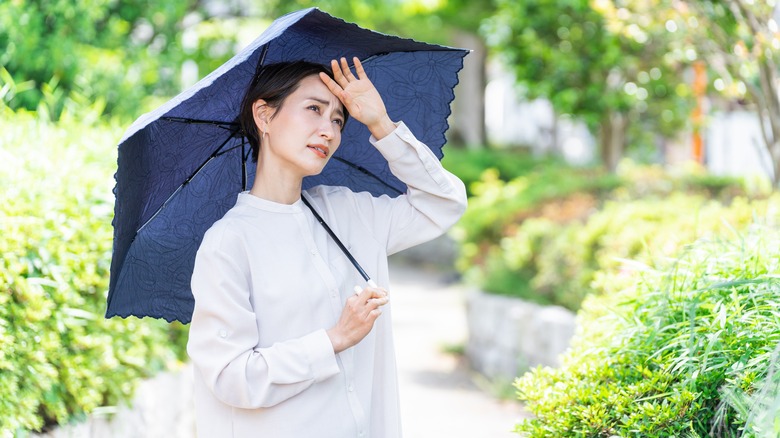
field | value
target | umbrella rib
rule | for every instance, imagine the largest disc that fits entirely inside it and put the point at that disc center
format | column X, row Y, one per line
column 367, row 173
column 213, row 155
column 224, row 125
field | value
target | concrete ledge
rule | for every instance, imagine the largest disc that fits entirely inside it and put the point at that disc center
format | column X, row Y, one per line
column 162, row 408
column 441, row 252
column 508, row 336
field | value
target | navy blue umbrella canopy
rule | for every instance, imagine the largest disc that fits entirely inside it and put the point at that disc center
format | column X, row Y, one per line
column 181, row 166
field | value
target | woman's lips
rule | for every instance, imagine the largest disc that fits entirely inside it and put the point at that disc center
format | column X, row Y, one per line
column 321, row 150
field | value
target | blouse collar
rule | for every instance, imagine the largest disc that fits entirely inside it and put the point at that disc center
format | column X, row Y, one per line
column 245, row 198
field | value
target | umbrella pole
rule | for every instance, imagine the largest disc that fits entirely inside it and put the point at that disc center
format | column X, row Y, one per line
column 243, row 165
column 338, row 242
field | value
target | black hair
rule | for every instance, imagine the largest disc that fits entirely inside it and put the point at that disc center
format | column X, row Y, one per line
column 274, row 83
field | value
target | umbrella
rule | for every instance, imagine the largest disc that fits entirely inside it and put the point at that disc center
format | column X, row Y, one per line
column 181, row 165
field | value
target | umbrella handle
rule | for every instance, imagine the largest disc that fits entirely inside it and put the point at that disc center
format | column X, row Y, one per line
column 340, row 245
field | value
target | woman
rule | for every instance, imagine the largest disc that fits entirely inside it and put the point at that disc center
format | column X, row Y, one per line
column 281, row 344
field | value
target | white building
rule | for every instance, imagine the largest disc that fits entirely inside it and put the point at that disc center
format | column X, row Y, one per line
column 733, row 144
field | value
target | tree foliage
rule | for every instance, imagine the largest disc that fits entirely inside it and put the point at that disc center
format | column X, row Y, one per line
column 565, row 51
column 739, row 42
column 120, row 52
column 431, row 21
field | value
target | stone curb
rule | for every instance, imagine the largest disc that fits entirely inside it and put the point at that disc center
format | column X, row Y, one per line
column 508, row 336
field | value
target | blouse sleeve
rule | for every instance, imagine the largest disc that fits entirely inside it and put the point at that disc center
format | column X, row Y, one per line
column 224, row 336
column 434, row 201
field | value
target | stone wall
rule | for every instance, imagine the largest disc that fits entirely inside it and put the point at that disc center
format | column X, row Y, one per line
column 440, row 252
column 508, row 336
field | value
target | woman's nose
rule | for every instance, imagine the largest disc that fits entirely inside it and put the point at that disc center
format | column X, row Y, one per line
column 327, row 129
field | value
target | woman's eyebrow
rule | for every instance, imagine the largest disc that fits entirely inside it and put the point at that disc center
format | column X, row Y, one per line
column 326, row 102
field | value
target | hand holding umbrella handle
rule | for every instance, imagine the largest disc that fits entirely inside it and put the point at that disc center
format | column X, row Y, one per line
column 359, row 97
column 370, row 283
column 357, row 318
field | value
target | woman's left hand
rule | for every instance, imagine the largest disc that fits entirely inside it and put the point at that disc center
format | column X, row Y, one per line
column 359, row 97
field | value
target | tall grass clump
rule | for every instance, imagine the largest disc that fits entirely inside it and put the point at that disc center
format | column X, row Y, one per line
column 683, row 347
column 59, row 357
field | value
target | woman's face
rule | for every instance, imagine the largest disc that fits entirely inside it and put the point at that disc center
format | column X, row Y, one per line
column 305, row 131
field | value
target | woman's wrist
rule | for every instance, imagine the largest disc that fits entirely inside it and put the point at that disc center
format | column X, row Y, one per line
column 382, row 128
column 336, row 340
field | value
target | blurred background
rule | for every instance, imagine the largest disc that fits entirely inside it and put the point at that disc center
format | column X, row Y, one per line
column 622, row 160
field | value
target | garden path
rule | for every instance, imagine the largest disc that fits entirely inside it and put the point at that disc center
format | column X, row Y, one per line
column 439, row 396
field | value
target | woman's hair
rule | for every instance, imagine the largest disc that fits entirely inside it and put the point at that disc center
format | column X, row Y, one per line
column 273, row 83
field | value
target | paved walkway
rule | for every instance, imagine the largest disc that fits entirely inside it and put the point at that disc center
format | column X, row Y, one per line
column 438, row 395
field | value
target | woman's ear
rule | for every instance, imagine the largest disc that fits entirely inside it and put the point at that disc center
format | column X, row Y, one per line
column 261, row 112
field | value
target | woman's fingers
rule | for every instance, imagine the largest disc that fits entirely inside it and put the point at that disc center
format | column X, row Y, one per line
column 374, row 303
column 358, row 317
column 370, row 292
column 346, row 71
column 343, row 74
column 331, row 84
column 359, row 68
column 338, row 75
column 373, row 316
column 368, row 300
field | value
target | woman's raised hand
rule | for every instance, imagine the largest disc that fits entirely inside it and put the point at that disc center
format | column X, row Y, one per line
column 359, row 96
column 357, row 318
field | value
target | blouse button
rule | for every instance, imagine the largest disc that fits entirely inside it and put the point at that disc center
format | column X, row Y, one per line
column 223, row 333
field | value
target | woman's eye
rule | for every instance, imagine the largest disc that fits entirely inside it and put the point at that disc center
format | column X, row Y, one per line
column 339, row 122
column 314, row 108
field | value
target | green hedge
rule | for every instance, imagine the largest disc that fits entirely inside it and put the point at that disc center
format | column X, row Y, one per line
column 559, row 260
column 470, row 164
column 685, row 348
column 543, row 238
column 59, row 358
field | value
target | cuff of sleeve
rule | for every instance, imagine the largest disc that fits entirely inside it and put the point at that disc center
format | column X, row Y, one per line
column 393, row 146
column 321, row 355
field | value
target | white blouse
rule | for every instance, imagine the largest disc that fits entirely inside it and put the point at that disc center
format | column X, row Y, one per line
column 268, row 283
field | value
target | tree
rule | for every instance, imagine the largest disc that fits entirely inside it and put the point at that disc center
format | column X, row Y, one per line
column 738, row 41
column 618, row 83
column 119, row 52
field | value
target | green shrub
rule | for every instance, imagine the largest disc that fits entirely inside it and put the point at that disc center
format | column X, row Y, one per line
column 641, row 181
column 560, row 260
column 498, row 205
column 59, row 357
column 470, row 164
column 545, row 245
column 658, row 349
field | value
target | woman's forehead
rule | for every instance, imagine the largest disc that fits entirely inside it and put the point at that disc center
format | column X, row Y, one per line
column 312, row 87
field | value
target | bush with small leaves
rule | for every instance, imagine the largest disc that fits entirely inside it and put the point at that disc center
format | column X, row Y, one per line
column 656, row 351
column 546, row 245
column 59, row 357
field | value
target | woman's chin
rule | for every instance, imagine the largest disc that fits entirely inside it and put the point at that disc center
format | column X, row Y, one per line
column 315, row 170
